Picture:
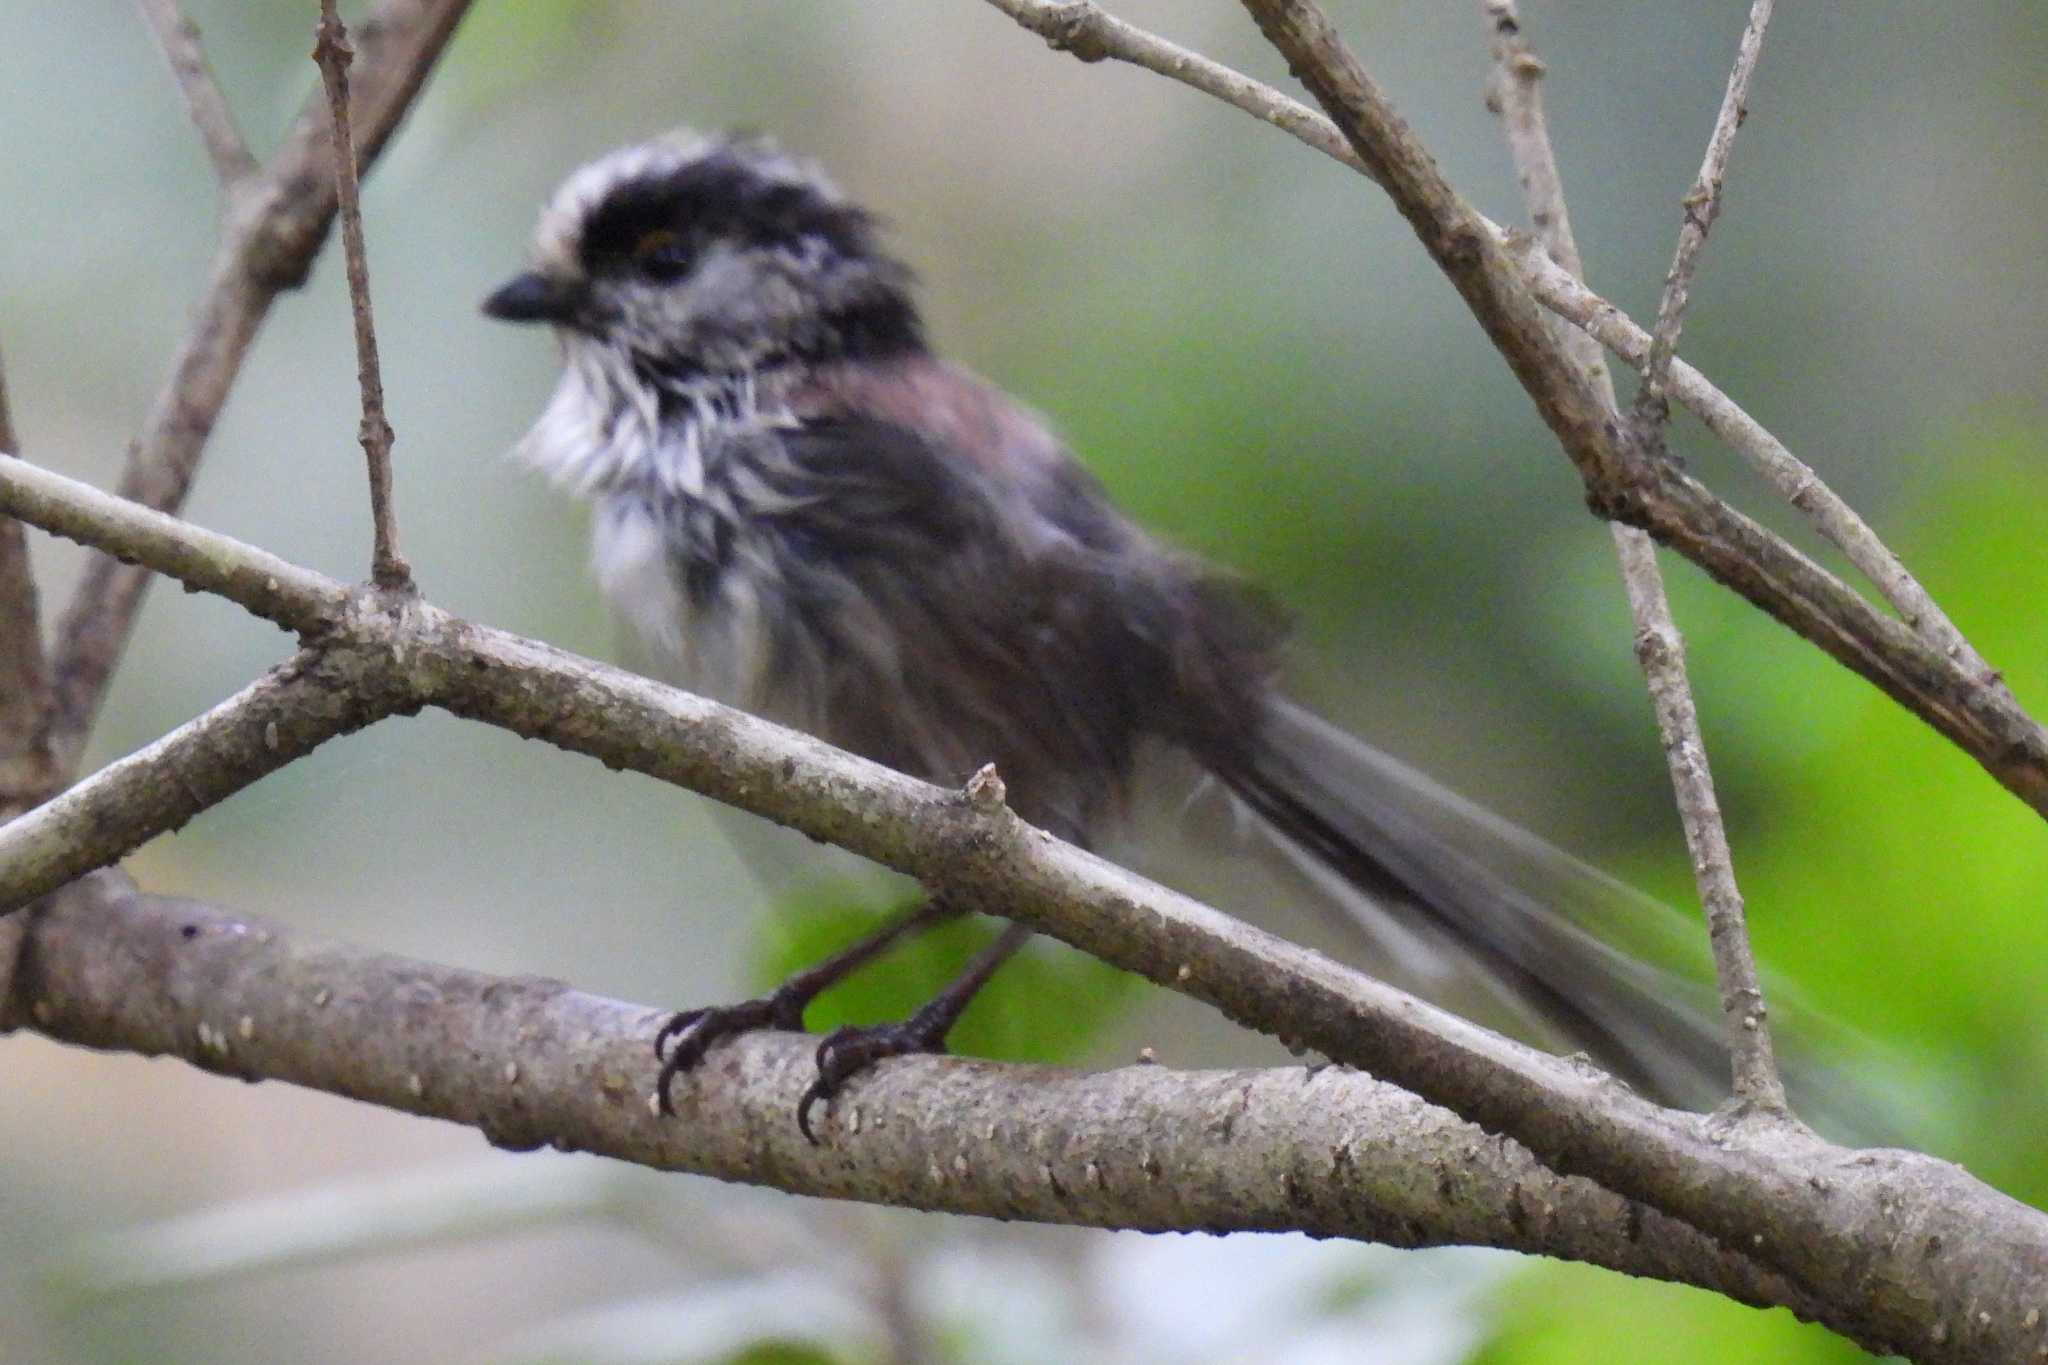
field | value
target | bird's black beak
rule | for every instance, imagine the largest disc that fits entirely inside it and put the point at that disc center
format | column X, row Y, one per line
column 534, row 297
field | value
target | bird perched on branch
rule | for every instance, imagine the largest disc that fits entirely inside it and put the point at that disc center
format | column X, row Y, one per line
column 808, row 513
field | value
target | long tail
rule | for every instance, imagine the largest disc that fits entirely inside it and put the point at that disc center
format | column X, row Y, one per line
column 1437, row 885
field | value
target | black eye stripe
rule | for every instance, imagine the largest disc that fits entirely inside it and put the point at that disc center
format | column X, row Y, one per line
column 718, row 197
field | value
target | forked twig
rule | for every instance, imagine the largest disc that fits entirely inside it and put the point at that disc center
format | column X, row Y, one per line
column 1660, row 649
column 1938, row 677
column 273, row 229
column 1827, row 1216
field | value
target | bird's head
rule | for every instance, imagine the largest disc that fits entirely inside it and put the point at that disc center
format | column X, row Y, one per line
column 693, row 257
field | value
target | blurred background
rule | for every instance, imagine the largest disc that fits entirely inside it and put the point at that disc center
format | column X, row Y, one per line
column 1248, row 346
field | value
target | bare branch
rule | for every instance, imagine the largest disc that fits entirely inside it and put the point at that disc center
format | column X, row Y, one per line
column 178, row 36
column 1824, row 1216
column 282, row 716
column 27, row 769
column 278, row 591
column 1516, row 95
column 1092, row 34
column 1660, row 648
column 1660, row 651
column 1567, row 296
column 332, row 53
column 267, row 246
column 1965, row 703
column 1625, row 482
column 532, row 1063
column 1702, row 205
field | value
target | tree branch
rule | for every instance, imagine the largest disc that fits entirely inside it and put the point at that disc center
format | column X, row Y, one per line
column 282, row 716
column 1853, row 1228
column 388, row 569
column 1660, row 648
column 178, row 36
column 1947, row 687
column 531, row 1063
column 1702, row 205
column 1567, row 296
column 274, row 228
column 27, row 769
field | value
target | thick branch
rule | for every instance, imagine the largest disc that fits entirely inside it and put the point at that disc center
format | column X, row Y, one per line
column 275, row 226
column 532, row 1063
column 1906, row 1248
column 1660, row 649
column 1948, row 689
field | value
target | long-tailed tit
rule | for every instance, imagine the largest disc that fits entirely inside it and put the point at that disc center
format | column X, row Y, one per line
column 806, row 512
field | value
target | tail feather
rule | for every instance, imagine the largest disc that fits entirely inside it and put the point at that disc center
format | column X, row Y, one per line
column 1435, row 882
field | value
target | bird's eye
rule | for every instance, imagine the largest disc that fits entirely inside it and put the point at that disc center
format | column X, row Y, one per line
column 662, row 255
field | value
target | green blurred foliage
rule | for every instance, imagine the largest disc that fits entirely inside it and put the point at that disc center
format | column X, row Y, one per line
column 1571, row 1314
column 1903, row 890
column 783, row 1353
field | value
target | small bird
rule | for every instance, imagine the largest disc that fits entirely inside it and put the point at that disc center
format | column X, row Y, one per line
column 806, row 512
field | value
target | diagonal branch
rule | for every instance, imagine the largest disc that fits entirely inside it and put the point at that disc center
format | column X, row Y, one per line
column 1564, row 294
column 267, row 246
column 282, row 716
column 1702, row 206
column 178, row 36
column 1847, row 1226
column 1660, row 649
column 531, row 1062
column 1937, row 677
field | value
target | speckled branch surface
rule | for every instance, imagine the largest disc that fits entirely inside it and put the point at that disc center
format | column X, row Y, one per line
column 530, row 1062
column 1908, row 1253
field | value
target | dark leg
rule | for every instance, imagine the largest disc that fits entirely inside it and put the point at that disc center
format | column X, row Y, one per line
column 692, row 1032
column 848, row 1051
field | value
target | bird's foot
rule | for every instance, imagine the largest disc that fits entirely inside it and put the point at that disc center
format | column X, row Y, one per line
column 846, row 1052
column 689, row 1034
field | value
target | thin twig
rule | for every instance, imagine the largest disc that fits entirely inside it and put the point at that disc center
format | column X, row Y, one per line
column 27, row 769
column 1566, row 295
column 1824, row 1215
column 267, row 245
column 1517, row 95
column 1966, row 704
column 1092, row 34
column 331, row 52
column 1702, row 205
column 178, row 36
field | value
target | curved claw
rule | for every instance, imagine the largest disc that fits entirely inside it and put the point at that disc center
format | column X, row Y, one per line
column 678, row 1024
column 688, row 1036
column 848, row 1051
